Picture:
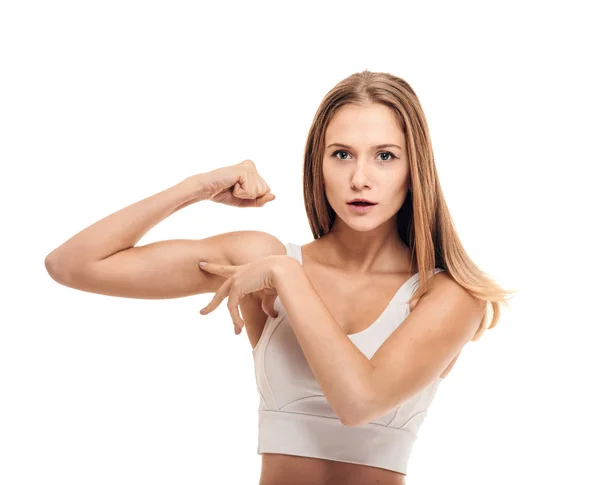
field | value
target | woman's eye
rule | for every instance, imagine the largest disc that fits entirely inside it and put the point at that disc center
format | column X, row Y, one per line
column 339, row 151
column 390, row 155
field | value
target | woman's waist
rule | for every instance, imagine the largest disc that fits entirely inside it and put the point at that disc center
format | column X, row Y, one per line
column 301, row 470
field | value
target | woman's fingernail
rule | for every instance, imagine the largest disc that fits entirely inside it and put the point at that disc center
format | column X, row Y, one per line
column 202, row 263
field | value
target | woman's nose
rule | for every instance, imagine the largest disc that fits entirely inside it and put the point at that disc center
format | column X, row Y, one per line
column 359, row 177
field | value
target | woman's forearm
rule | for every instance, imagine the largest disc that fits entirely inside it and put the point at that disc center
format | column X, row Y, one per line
column 340, row 368
column 124, row 228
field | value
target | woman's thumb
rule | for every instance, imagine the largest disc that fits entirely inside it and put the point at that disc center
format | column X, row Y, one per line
column 265, row 198
column 268, row 305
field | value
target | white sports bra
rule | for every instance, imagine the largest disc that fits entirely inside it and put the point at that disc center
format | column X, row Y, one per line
column 295, row 418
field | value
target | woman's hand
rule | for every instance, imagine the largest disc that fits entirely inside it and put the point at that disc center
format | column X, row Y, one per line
column 237, row 185
column 242, row 280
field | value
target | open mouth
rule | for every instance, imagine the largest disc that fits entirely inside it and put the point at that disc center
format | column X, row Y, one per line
column 361, row 207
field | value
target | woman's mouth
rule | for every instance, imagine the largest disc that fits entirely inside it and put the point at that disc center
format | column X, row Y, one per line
column 360, row 207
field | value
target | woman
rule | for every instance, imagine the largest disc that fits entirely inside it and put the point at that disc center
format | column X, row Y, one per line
column 352, row 333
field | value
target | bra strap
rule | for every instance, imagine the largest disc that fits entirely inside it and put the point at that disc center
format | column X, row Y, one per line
column 294, row 251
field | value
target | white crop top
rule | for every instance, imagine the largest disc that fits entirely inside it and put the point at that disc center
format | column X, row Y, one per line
column 294, row 416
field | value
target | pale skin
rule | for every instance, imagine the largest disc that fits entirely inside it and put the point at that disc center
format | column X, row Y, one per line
column 361, row 250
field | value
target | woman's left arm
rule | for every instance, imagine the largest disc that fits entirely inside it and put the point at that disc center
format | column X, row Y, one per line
column 411, row 358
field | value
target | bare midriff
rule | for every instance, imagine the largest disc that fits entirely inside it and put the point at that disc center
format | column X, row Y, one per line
column 280, row 469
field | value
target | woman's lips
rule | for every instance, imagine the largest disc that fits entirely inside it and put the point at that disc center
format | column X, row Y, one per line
column 360, row 209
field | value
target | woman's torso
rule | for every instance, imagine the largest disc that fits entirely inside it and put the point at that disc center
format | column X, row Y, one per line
column 352, row 307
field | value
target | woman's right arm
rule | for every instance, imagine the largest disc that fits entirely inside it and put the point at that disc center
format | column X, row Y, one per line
column 169, row 269
column 103, row 259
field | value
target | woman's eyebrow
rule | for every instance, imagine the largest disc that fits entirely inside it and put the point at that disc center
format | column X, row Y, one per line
column 374, row 146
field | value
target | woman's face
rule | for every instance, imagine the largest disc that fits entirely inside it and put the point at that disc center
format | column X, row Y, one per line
column 355, row 167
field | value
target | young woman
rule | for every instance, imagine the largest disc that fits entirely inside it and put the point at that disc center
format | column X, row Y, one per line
column 351, row 333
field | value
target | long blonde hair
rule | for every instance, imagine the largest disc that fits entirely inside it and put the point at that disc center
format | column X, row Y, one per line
column 424, row 221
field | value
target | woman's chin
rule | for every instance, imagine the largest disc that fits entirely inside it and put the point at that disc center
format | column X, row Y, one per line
column 363, row 224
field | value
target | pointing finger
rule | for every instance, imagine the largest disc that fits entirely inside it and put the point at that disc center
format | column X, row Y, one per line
column 220, row 294
column 220, row 269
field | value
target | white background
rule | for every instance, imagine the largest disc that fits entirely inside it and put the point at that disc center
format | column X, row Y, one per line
column 103, row 104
